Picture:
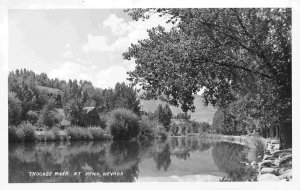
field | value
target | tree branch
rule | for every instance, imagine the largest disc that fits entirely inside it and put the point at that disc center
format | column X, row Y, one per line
column 233, row 66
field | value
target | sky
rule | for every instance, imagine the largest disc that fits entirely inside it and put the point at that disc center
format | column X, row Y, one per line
column 82, row 44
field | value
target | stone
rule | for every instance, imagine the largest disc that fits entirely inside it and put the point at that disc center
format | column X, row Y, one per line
column 269, row 157
column 278, row 152
column 282, row 170
column 285, row 160
column 267, row 163
column 268, row 177
column 268, row 170
column 275, row 142
column 286, row 175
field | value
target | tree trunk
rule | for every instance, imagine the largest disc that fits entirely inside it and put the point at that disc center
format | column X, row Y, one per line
column 285, row 134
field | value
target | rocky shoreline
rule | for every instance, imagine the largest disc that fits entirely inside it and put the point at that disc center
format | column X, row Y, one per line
column 276, row 164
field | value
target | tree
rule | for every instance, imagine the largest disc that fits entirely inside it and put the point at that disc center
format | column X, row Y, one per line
column 75, row 112
column 14, row 109
column 48, row 115
column 163, row 115
column 227, row 52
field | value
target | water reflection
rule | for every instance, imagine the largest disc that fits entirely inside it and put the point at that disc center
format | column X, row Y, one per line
column 123, row 159
column 231, row 158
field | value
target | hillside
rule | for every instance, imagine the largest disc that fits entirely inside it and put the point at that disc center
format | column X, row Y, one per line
column 201, row 114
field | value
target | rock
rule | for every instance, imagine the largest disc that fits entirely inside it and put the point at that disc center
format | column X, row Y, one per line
column 267, row 163
column 282, row 170
column 278, row 152
column 268, row 177
column 285, row 160
column 286, row 175
column 284, row 154
column 268, row 170
column 269, row 157
column 275, row 142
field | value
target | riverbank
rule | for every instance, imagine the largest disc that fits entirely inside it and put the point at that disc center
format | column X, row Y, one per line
column 276, row 164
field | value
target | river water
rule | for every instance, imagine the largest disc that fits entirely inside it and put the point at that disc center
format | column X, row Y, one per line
column 174, row 159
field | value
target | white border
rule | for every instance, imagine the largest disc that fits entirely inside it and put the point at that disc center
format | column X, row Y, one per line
column 94, row 4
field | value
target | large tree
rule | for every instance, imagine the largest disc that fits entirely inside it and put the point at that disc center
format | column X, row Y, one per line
column 230, row 53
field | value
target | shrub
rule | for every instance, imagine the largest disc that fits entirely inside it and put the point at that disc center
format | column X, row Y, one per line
column 79, row 133
column 49, row 136
column 26, row 132
column 12, row 134
column 123, row 124
column 56, row 134
column 146, row 129
column 160, row 131
column 98, row 133
column 174, row 129
column 32, row 116
column 164, row 115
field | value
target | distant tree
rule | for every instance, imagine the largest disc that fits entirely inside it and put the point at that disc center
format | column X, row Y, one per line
column 75, row 112
column 125, row 96
column 14, row 109
column 32, row 116
column 163, row 115
column 48, row 115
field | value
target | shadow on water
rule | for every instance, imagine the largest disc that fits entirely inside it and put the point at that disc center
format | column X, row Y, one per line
column 232, row 159
column 120, row 161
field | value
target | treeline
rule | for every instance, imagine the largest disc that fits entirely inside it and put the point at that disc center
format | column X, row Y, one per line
column 35, row 98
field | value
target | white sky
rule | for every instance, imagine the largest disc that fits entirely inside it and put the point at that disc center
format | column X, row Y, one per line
column 82, row 44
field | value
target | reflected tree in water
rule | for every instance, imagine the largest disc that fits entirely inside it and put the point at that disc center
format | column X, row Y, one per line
column 163, row 158
column 230, row 158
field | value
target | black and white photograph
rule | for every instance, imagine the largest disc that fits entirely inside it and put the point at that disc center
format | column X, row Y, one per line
column 198, row 94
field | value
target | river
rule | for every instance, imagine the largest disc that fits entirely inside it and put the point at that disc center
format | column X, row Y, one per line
column 174, row 159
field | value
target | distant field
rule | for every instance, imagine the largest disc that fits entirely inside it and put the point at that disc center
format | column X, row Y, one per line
column 201, row 114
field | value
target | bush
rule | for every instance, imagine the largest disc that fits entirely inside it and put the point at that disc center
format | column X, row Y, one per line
column 79, row 133
column 146, row 129
column 98, row 133
column 26, row 132
column 56, row 134
column 160, row 131
column 32, row 116
column 49, row 136
column 123, row 124
column 174, row 129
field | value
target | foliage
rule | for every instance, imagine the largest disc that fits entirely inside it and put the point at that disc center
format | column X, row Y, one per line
column 174, row 129
column 163, row 115
column 14, row 109
column 12, row 134
column 230, row 53
column 75, row 112
column 79, row 134
column 32, row 116
column 98, row 133
column 146, row 129
column 123, row 124
column 26, row 132
column 160, row 131
column 49, row 115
